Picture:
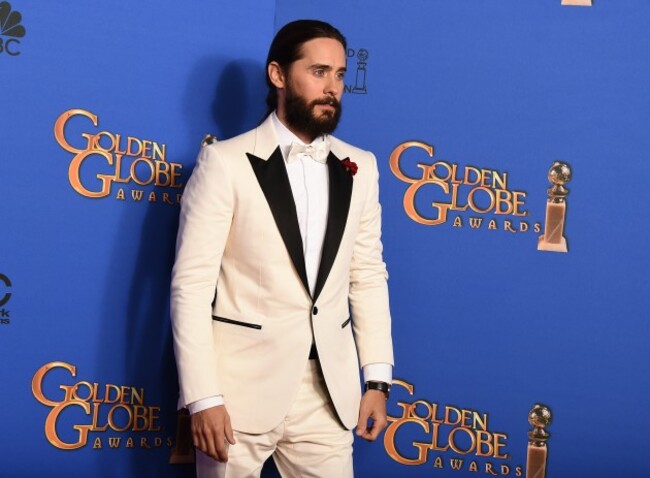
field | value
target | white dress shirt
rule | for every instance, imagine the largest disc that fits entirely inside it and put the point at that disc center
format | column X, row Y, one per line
column 309, row 180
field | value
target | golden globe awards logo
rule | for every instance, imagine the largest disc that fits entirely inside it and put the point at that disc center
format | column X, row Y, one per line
column 358, row 74
column 83, row 409
column 121, row 166
column 446, row 437
column 447, row 190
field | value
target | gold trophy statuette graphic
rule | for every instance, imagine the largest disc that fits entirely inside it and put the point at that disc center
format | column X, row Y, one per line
column 539, row 418
column 577, row 3
column 360, row 80
column 209, row 139
column 553, row 238
column 183, row 451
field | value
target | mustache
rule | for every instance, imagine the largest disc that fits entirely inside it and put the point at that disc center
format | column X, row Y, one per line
column 330, row 101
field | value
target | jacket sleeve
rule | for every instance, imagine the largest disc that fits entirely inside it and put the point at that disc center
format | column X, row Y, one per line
column 205, row 219
column 368, row 281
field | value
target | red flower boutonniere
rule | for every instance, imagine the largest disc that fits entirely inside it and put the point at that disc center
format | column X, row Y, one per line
column 350, row 166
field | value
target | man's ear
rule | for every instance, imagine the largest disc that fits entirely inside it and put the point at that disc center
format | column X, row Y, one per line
column 276, row 74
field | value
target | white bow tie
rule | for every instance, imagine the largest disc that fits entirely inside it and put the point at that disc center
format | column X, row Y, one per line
column 316, row 152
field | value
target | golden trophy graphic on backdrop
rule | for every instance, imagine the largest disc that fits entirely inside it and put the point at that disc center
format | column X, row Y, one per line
column 360, row 80
column 553, row 238
column 539, row 418
column 183, row 451
column 577, row 3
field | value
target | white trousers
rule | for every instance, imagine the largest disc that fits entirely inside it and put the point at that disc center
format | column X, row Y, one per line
column 309, row 443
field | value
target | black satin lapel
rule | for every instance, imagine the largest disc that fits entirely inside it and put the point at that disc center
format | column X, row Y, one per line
column 340, row 187
column 273, row 179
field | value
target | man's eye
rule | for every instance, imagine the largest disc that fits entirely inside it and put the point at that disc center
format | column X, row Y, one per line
column 340, row 76
column 319, row 72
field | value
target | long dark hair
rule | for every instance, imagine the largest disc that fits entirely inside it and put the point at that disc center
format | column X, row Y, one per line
column 287, row 48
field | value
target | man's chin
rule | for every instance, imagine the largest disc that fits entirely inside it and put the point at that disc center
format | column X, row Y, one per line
column 326, row 125
column 325, row 117
column 324, row 114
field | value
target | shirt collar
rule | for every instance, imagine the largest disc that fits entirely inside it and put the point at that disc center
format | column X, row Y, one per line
column 286, row 136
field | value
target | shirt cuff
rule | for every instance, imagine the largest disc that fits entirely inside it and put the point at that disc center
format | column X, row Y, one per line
column 205, row 403
column 378, row 372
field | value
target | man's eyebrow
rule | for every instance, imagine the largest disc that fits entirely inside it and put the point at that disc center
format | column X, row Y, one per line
column 318, row 66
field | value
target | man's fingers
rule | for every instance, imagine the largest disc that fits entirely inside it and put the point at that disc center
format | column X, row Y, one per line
column 212, row 448
column 221, row 450
column 208, row 429
column 212, row 444
column 368, row 433
column 362, row 424
column 230, row 436
column 204, row 440
column 197, row 440
column 377, row 426
column 373, row 408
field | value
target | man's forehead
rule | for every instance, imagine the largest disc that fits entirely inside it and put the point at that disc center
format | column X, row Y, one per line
column 323, row 51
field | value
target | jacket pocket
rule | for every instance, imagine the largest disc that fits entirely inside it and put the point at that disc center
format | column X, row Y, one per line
column 344, row 324
column 237, row 322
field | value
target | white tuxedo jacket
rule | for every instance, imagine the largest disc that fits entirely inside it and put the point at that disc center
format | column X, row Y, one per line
column 239, row 237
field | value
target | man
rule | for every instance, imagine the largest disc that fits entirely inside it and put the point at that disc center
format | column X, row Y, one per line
column 284, row 223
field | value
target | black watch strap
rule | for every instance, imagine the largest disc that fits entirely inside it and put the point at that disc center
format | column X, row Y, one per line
column 381, row 386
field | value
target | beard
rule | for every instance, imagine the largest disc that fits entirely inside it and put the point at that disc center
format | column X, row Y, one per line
column 302, row 118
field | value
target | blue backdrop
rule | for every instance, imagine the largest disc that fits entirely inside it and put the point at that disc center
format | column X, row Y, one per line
column 485, row 324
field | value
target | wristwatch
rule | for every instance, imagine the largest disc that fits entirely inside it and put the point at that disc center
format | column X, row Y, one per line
column 381, row 386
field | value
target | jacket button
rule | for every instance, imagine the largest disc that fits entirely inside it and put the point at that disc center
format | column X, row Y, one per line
column 315, row 310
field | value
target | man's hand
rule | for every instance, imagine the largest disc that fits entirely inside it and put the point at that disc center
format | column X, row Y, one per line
column 373, row 406
column 210, row 428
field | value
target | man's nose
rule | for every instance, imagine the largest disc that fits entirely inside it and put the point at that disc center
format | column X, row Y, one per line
column 333, row 86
